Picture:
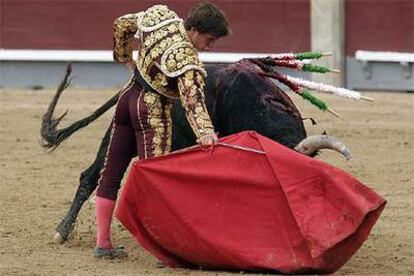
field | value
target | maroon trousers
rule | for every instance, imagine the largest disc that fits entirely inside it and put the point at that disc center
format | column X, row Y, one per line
column 141, row 127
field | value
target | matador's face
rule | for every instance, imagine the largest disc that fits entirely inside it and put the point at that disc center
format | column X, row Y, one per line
column 202, row 41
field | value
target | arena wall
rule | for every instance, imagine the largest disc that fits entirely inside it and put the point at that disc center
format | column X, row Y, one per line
column 87, row 24
column 261, row 26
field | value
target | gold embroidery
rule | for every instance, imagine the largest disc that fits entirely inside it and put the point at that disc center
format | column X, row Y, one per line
column 159, row 120
column 199, row 79
column 183, row 31
column 160, row 81
column 160, row 30
column 154, row 108
column 157, row 42
column 147, row 61
column 153, row 46
column 177, row 38
column 171, row 64
column 168, row 130
column 154, row 53
column 157, row 138
column 158, row 35
column 158, row 151
column 156, row 14
column 163, row 45
column 150, row 99
column 172, row 28
column 147, row 42
column 179, row 58
column 165, row 53
column 125, row 28
column 192, row 99
column 198, row 109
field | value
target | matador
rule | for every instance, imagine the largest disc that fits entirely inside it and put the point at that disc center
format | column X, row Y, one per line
column 167, row 68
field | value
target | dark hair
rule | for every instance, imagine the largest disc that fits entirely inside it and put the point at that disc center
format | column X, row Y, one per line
column 207, row 18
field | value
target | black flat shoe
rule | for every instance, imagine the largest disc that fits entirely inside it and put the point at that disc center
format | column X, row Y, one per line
column 110, row 253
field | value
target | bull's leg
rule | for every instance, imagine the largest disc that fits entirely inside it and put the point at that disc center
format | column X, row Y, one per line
column 88, row 182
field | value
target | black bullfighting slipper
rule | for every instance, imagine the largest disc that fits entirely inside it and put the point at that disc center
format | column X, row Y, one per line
column 110, row 253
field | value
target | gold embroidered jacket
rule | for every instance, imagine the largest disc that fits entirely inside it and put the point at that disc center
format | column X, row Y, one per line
column 167, row 60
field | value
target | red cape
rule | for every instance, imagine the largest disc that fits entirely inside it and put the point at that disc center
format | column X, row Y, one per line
column 237, row 209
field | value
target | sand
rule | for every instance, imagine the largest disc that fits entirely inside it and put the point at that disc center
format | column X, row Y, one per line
column 37, row 187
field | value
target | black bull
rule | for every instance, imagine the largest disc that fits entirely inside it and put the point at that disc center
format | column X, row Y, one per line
column 237, row 99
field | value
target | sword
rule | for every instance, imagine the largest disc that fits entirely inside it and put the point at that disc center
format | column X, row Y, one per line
column 240, row 147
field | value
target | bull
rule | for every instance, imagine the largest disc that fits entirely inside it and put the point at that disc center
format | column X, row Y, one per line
column 238, row 98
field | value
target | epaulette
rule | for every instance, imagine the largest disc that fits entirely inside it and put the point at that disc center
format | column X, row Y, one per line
column 179, row 58
column 157, row 17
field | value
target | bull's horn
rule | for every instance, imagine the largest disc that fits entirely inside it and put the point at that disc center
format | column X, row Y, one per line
column 311, row 144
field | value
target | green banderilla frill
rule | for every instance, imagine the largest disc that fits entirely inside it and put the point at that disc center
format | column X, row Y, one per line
column 315, row 101
column 308, row 55
column 315, row 68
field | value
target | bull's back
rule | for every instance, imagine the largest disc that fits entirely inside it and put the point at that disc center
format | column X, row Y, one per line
column 238, row 99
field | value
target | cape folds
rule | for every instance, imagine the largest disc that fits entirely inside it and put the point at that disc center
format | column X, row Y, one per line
column 237, row 209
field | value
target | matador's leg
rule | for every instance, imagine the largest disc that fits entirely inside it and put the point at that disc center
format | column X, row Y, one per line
column 153, row 125
column 121, row 150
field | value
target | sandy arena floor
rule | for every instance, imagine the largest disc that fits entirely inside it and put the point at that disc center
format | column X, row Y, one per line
column 36, row 188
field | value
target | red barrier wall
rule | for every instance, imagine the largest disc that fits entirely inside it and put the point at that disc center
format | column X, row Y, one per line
column 382, row 25
column 258, row 26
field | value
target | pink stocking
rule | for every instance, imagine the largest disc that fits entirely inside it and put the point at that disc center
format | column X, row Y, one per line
column 104, row 209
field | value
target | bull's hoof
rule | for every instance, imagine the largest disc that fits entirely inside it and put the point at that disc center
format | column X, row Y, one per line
column 58, row 238
column 63, row 231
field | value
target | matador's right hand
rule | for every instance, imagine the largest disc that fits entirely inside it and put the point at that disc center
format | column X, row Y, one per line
column 208, row 140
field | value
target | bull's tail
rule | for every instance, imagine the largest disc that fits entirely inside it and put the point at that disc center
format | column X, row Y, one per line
column 51, row 136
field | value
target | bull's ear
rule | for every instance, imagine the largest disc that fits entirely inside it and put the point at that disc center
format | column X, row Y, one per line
column 324, row 132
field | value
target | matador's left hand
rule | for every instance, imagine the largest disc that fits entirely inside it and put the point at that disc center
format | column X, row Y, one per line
column 131, row 66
